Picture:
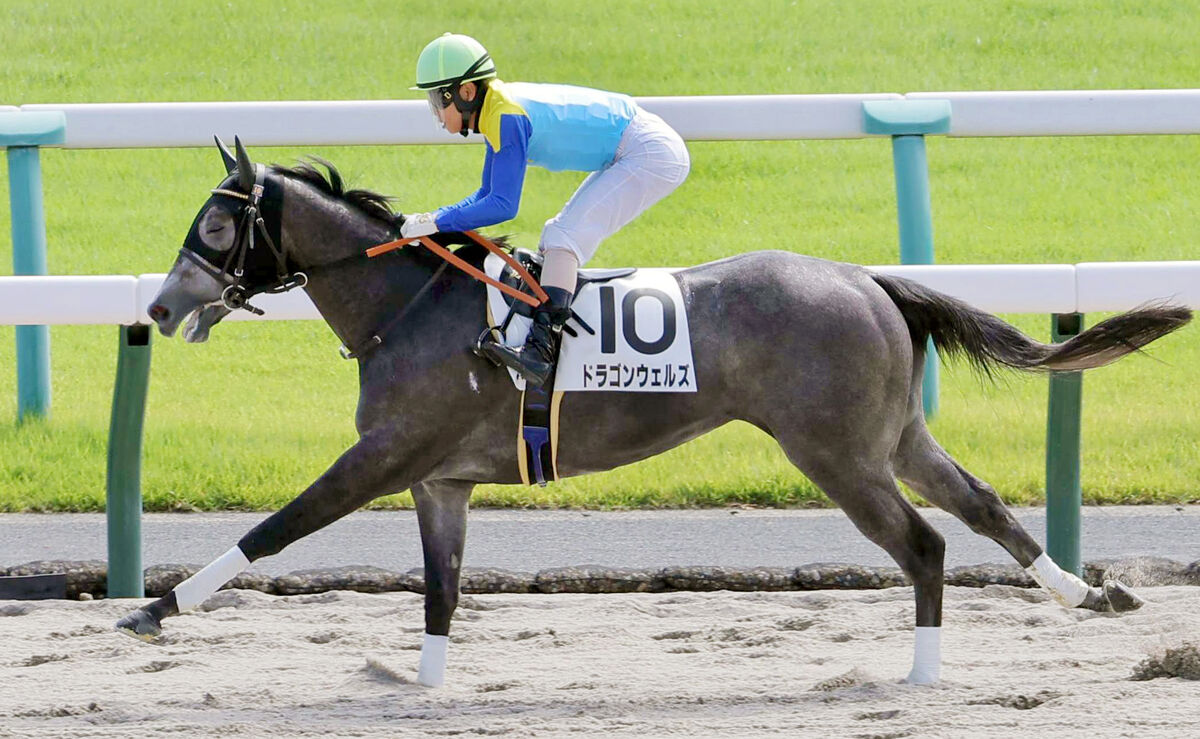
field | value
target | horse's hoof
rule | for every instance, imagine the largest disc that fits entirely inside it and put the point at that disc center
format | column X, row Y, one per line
column 1096, row 601
column 140, row 625
column 1120, row 598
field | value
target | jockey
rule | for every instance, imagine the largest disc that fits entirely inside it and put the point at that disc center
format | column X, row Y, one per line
column 635, row 159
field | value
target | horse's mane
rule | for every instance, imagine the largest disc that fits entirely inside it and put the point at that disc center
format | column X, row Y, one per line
column 373, row 204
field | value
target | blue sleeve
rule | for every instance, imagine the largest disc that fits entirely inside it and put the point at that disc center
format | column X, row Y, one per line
column 499, row 197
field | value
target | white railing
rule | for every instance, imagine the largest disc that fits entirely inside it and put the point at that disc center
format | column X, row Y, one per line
column 1071, row 112
column 1000, row 288
column 697, row 118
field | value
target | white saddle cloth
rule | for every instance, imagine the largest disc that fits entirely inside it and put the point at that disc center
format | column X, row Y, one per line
column 641, row 344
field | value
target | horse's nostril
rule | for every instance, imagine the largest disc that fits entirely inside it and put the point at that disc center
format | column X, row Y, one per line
column 158, row 312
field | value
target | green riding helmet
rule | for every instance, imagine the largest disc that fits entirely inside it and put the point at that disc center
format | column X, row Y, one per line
column 452, row 58
column 445, row 64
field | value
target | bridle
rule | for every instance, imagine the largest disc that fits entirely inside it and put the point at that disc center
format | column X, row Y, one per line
column 237, row 292
column 250, row 226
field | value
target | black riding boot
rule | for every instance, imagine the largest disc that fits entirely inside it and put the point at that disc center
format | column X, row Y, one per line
column 535, row 359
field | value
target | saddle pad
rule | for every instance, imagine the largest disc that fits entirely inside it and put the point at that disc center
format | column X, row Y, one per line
column 641, row 344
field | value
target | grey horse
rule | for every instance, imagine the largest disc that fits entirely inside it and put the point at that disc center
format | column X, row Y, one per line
column 825, row 357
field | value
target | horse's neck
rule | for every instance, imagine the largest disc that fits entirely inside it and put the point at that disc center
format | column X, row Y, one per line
column 355, row 296
column 360, row 298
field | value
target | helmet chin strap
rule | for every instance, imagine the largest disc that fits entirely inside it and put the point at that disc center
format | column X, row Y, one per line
column 468, row 108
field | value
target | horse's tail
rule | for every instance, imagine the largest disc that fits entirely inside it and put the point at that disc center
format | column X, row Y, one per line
column 988, row 342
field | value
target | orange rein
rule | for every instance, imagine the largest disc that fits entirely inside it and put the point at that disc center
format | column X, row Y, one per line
column 478, row 274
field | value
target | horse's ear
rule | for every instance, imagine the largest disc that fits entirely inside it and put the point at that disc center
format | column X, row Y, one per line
column 226, row 157
column 245, row 167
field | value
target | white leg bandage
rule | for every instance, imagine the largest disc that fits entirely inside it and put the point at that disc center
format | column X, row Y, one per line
column 194, row 590
column 433, row 661
column 927, row 656
column 1064, row 586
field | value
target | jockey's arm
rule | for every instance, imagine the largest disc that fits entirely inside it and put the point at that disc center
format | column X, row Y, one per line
column 499, row 196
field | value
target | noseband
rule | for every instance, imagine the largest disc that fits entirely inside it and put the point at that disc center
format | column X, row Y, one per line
column 237, row 293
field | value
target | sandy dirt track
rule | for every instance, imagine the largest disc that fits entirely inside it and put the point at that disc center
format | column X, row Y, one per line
column 670, row 664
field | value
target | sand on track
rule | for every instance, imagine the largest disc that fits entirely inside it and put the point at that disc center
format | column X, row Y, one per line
column 817, row 663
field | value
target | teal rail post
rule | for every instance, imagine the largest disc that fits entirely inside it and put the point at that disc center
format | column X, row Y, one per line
column 1064, row 493
column 124, row 504
column 21, row 134
column 907, row 122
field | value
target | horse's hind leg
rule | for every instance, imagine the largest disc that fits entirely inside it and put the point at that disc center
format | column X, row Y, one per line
column 442, row 515
column 925, row 466
column 364, row 472
column 869, row 495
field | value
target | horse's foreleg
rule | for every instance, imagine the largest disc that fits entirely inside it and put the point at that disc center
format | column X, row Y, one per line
column 367, row 470
column 442, row 515
column 925, row 466
column 146, row 622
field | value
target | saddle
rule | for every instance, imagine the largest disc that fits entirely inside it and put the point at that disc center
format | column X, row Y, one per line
column 532, row 261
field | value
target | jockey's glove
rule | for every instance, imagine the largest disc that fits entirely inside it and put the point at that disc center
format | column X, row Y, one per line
column 418, row 224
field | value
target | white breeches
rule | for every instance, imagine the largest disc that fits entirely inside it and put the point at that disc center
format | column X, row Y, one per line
column 651, row 161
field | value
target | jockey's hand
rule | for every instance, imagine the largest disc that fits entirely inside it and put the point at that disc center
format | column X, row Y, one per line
column 418, row 224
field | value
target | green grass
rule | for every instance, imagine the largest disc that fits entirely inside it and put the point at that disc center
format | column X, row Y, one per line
column 250, row 418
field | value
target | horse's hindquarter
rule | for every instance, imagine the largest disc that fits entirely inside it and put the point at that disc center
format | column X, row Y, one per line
column 780, row 340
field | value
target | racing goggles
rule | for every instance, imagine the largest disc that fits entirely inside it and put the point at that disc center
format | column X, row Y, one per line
column 439, row 100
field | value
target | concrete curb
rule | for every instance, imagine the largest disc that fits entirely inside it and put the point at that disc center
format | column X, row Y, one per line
column 90, row 577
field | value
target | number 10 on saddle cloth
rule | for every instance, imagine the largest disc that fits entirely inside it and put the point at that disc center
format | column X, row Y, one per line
column 641, row 341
